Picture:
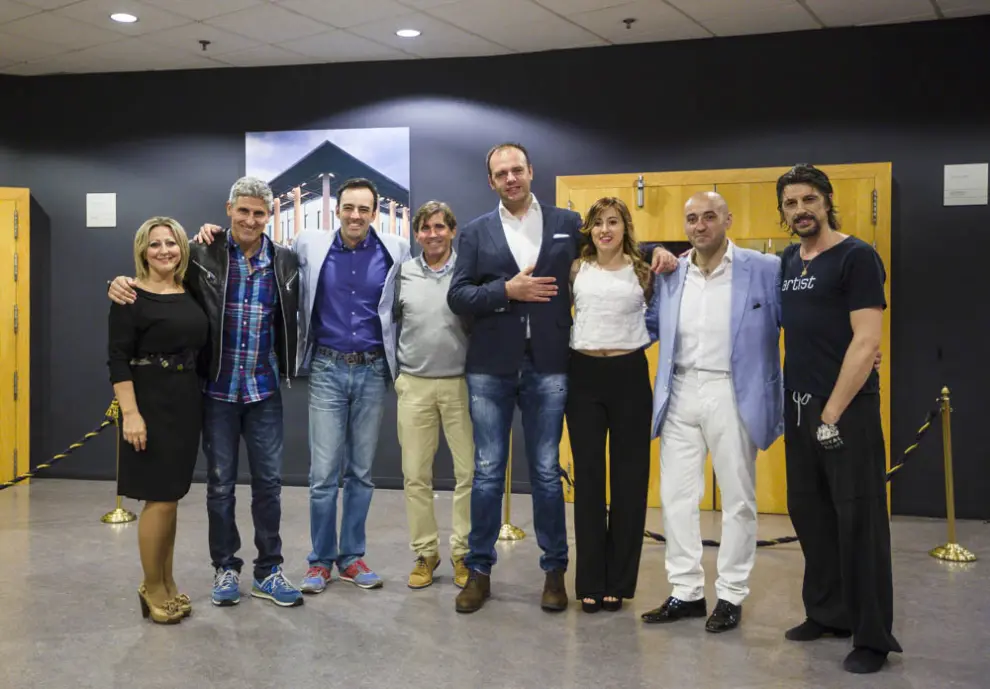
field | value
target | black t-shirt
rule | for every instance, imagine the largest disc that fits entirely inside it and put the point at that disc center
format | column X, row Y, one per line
column 815, row 311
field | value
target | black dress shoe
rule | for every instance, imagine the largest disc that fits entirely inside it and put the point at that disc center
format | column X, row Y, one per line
column 726, row 616
column 674, row 609
column 863, row 661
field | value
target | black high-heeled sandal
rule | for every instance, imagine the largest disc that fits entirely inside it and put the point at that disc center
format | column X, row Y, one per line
column 612, row 605
column 594, row 606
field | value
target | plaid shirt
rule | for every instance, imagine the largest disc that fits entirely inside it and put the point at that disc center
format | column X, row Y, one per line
column 248, row 362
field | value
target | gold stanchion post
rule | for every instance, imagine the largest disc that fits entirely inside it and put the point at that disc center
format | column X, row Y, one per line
column 951, row 551
column 118, row 515
column 508, row 532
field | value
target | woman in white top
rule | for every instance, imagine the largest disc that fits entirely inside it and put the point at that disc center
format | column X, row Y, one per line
column 609, row 393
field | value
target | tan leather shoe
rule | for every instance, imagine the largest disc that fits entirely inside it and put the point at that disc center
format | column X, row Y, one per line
column 422, row 574
column 460, row 572
column 477, row 589
column 554, row 592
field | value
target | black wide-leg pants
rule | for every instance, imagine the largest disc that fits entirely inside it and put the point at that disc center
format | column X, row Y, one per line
column 609, row 396
column 837, row 501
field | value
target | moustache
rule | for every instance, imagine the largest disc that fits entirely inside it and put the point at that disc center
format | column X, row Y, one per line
column 803, row 216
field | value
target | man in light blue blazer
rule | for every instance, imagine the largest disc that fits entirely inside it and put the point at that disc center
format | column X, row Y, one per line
column 719, row 389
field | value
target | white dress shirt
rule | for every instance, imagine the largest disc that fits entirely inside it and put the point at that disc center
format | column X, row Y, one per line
column 523, row 235
column 703, row 328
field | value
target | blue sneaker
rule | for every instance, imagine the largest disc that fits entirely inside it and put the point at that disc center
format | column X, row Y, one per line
column 226, row 587
column 277, row 589
column 316, row 579
column 358, row 574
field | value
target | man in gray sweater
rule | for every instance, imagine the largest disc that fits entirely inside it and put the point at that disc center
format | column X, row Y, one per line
column 431, row 391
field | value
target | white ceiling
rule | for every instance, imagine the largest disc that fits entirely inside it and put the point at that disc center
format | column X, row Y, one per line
column 76, row 36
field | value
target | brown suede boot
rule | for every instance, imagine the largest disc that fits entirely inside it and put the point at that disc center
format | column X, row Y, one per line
column 473, row 596
column 554, row 592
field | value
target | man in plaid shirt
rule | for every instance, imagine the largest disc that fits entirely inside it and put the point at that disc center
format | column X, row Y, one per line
column 248, row 287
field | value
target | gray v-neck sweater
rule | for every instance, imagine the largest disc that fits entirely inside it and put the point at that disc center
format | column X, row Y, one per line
column 432, row 339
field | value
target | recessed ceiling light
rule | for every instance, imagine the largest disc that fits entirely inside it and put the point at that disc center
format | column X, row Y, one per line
column 123, row 17
column 407, row 33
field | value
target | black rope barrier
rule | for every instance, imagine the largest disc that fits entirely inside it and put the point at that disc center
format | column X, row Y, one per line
column 111, row 415
column 110, row 418
column 927, row 424
column 917, row 441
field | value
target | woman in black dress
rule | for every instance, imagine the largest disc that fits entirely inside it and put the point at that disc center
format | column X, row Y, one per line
column 153, row 347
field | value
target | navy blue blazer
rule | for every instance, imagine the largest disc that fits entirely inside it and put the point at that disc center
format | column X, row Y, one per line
column 477, row 289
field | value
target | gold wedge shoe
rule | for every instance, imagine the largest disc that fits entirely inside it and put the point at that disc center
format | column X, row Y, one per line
column 161, row 614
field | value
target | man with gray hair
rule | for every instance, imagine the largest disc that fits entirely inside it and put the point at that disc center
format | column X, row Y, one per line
column 248, row 286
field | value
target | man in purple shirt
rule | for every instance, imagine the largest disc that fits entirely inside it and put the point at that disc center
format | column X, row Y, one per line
column 347, row 342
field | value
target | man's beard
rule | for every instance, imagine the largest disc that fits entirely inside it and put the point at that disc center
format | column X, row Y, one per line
column 809, row 231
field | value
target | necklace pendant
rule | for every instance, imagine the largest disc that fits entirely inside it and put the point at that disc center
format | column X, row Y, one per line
column 804, row 272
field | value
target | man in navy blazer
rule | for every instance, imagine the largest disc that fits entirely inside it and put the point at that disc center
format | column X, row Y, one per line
column 718, row 388
column 511, row 278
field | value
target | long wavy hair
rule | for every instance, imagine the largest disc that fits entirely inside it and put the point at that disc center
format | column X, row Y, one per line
column 629, row 246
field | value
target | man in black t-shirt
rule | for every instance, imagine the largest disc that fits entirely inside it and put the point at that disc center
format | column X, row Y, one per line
column 832, row 301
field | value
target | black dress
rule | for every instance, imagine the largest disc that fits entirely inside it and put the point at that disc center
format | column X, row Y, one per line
column 155, row 343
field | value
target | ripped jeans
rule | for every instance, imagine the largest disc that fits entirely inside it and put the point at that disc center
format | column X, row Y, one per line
column 541, row 399
column 260, row 423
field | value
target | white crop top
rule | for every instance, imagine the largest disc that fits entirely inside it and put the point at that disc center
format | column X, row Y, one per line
column 609, row 309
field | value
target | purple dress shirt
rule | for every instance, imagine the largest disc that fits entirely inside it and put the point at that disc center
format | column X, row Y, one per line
column 345, row 311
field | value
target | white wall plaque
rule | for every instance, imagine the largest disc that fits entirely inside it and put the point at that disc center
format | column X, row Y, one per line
column 966, row 185
column 101, row 210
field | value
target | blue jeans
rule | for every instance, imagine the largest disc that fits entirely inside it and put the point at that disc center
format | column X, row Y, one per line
column 541, row 399
column 345, row 412
column 261, row 425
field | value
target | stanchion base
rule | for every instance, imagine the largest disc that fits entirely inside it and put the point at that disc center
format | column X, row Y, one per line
column 118, row 516
column 953, row 552
column 508, row 532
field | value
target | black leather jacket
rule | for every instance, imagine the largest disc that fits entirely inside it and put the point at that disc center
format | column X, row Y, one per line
column 206, row 280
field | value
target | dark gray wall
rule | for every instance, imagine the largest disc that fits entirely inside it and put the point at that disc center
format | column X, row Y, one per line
column 171, row 143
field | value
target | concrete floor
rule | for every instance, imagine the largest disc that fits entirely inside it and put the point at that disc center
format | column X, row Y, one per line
column 70, row 618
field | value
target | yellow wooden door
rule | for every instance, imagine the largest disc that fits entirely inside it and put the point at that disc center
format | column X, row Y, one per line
column 659, row 219
column 14, row 328
column 8, row 352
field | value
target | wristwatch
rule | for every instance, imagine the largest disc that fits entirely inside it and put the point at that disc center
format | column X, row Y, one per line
column 828, row 436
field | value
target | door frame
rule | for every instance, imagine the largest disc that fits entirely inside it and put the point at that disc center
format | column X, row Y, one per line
column 22, row 290
column 881, row 172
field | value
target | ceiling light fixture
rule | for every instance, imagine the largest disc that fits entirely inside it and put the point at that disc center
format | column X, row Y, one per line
column 123, row 17
column 407, row 33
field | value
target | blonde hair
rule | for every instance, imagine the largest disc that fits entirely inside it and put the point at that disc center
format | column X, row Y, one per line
column 143, row 239
column 629, row 245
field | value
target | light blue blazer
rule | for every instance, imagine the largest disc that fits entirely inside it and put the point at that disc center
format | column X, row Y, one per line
column 755, row 332
column 312, row 247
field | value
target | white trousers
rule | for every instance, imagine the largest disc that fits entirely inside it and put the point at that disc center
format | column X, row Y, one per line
column 702, row 417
